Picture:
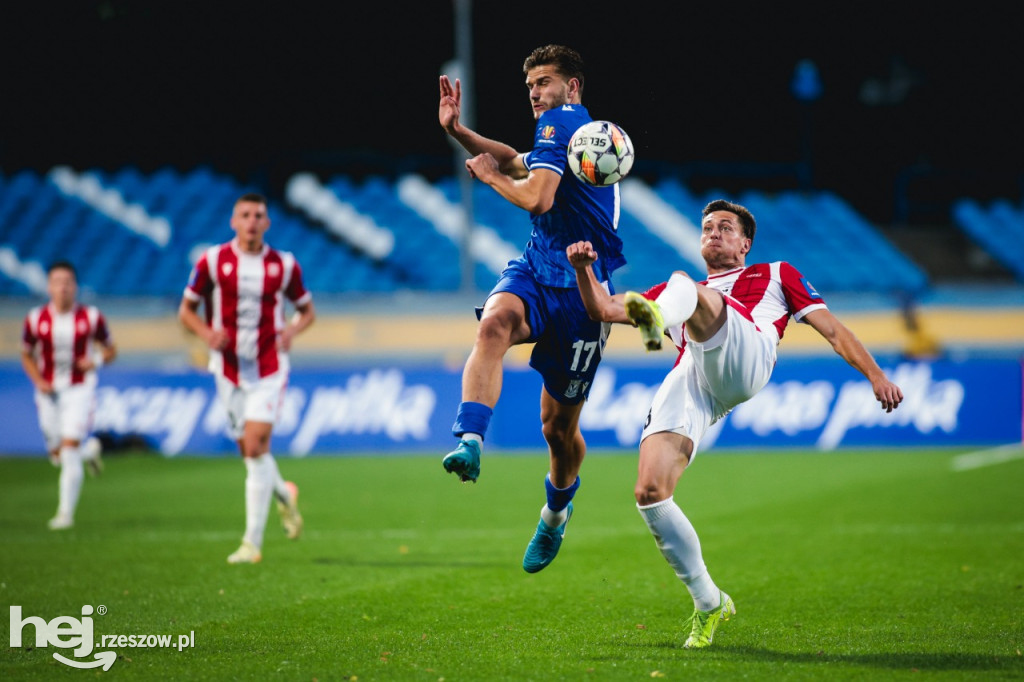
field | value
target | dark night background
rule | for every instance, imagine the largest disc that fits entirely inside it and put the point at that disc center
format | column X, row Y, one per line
column 260, row 90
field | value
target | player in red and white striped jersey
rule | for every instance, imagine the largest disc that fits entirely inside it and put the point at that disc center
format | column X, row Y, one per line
column 63, row 345
column 727, row 329
column 242, row 285
column 771, row 293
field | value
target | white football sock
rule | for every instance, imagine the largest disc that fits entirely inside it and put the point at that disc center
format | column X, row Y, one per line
column 475, row 437
column 280, row 489
column 678, row 542
column 259, row 487
column 678, row 300
column 553, row 519
column 70, row 484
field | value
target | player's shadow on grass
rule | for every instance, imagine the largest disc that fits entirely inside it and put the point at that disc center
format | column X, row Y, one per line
column 893, row 661
column 408, row 563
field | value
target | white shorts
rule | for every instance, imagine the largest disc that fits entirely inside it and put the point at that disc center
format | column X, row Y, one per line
column 712, row 378
column 66, row 414
column 259, row 401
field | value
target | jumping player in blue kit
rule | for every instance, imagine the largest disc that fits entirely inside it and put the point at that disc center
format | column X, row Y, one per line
column 536, row 299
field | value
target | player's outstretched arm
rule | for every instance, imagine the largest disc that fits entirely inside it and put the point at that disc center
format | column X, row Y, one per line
column 849, row 347
column 534, row 193
column 600, row 306
column 448, row 112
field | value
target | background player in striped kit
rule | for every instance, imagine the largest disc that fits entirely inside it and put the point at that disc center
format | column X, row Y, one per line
column 242, row 284
column 64, row 344
column 727, row 329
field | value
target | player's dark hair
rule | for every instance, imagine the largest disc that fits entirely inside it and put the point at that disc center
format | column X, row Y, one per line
column 742, row 212
column 252, row 198
column 62, row 265
column 566, row 61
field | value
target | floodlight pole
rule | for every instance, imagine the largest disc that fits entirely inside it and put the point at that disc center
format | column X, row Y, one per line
column 464, row 58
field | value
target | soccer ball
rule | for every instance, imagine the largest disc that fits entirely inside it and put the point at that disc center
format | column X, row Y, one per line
column 600, row 153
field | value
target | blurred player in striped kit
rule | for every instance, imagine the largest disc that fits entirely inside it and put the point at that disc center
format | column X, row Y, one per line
column 243, row 284
column 64, row 344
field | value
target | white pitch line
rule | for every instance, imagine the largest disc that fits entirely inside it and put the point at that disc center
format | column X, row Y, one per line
column 984, row 458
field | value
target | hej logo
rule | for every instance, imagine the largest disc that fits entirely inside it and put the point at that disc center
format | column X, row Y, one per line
column 64, row 632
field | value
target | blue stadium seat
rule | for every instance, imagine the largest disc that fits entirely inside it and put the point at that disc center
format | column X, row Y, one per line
column 818, row 233
column 999, row 230
column 825, row 237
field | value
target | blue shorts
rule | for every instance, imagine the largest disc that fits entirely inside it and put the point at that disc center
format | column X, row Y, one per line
column 569, row 345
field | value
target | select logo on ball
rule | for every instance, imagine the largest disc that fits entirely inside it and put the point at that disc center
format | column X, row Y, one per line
column 600, row 153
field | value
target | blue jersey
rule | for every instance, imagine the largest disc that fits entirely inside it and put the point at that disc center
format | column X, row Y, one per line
column 580, row 212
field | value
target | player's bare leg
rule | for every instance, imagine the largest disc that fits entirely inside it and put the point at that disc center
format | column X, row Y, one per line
column 709, row 315
column 560, row 424
column 496, row 333
column 566, row 449
column 502, row 325
column 663, row 458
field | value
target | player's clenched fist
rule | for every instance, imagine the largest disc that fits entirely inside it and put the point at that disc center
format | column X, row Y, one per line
column 581, row 254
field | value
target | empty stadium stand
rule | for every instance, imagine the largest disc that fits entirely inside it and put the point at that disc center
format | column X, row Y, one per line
column 998, row 229
column 133, row 234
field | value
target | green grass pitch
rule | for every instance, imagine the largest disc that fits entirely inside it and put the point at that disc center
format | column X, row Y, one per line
column 851, row 565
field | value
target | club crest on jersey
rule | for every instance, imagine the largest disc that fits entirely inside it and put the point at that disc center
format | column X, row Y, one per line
column 810, row 288
column 82, row 327
column 44, row 328
column 226, row 268
column 547, row 132
column 273, row 269
column 575, row 386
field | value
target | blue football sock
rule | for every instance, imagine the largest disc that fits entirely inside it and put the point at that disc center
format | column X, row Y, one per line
column 472, row 418
column 559, row 498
